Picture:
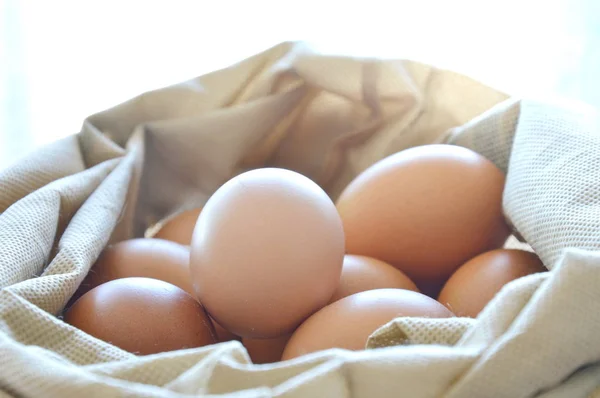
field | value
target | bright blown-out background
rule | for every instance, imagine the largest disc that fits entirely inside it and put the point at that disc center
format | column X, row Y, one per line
column 63, row 60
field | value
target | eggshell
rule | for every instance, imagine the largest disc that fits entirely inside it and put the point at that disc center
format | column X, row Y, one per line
column 349, row 322
column 476, row 283
column 148, row 258
column 362, row 273
column 223, row 334
column 180, row 228
column 266, row 350
column 426, row 211
column 267, row 252
column 143, row 316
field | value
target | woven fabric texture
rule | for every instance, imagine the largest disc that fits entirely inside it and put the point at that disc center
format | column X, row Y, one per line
column 327, row 117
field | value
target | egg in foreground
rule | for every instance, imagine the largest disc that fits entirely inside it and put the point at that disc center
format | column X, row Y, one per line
column 348, row 323
column 143, row 316
column 267, row 252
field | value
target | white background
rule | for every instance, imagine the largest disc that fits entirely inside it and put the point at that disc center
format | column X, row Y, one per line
column 63, row 60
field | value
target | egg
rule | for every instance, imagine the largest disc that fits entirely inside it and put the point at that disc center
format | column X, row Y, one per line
column 348, row 323
column 180, row 228
column 149, row 258
column 223, row 334
column 476, row 283
column 263, row 351
column 143, row 316
column 267, row 252
column 425, row 210
column 361, row 273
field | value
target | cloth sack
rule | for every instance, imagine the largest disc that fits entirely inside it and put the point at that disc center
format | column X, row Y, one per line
column 329, row 118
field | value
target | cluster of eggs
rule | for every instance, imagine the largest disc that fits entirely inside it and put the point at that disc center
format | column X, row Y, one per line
column 272, row 261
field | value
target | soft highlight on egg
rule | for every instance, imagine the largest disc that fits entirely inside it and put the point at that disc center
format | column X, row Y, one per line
column 143, row 316
column 362, row 273
column 425, row 210
column 475, row 284
column 149, row 258
column 348, row 323
column 267, row 252
column 180, row 228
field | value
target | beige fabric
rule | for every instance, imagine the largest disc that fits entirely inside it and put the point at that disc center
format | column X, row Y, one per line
column 405, row 331
column 330, row 118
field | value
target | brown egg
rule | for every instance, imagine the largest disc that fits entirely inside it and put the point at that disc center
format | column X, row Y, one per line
column 349, row 322
column 143, row 316
column 148, row 258
column 180, row 228
column 361, row 273
column 426, row 211
column 223, row 334
column 476, row 283
column 267, row 252
column 266, row 350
